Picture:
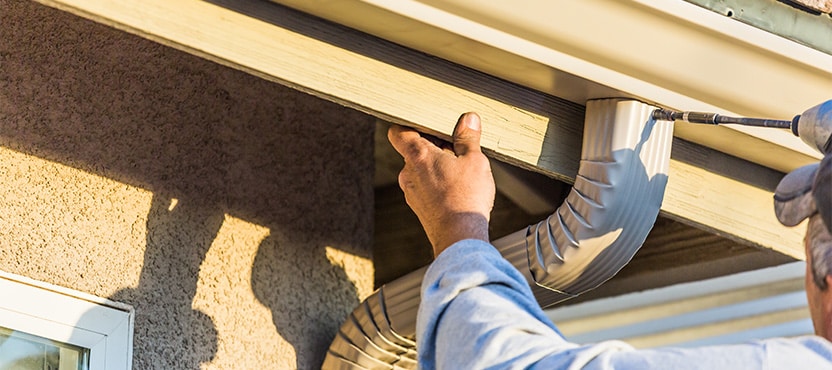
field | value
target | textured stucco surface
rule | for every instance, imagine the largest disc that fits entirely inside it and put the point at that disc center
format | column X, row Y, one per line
column 823, row 6
column 234, row 214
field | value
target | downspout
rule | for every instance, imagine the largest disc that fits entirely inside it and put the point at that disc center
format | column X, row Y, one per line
column 596, row 231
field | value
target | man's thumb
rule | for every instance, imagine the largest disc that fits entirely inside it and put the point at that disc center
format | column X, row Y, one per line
column 467, row 134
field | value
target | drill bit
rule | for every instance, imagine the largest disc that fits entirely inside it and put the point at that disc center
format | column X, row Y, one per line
column 716, row 119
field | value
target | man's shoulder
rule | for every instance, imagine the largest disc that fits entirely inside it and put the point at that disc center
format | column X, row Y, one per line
column 809, row 350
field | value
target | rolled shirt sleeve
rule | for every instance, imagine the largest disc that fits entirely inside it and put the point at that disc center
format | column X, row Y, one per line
column 478, row 312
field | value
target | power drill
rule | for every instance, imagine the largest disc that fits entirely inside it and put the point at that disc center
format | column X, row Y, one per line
column 814, row 126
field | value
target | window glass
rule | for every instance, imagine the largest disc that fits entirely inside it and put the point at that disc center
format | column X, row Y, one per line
column 22, row 351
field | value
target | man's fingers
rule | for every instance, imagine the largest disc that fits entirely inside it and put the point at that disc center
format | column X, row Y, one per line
column 412, row 145
column 408, row 142
column 467, row 134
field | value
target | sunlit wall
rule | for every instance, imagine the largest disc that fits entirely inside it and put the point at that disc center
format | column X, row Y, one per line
column 234, row 214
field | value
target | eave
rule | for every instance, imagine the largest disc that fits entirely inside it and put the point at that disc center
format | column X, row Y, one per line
column 672, row 53
column 526, row 125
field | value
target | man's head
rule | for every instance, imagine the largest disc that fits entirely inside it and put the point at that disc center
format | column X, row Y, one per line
column 807, row 193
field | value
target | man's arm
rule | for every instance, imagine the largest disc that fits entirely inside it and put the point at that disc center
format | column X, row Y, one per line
column 477, row 311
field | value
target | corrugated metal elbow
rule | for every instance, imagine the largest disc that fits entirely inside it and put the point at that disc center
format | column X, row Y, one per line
column 604, row 220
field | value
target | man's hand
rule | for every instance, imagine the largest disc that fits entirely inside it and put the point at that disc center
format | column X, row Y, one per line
column 451, row 190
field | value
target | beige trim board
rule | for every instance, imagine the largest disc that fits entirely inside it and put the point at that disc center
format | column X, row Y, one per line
column 669, row 52
column 521, row 126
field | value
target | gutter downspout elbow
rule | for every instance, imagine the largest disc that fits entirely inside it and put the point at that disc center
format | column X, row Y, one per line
column 602, row 223
column 611, row 208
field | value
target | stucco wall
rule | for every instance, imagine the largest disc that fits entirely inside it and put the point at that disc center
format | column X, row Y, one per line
column 234, row 214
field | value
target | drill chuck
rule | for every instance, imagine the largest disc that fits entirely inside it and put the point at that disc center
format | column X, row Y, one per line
column 814, row 127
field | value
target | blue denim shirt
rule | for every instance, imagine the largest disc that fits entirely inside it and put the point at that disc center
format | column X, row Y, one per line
column 477, row 312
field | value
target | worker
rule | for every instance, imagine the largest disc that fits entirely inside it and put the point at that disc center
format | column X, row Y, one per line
column 478, row 311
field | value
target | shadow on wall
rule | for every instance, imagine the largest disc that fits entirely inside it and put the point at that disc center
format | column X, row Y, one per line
column 306, row 321
column 218, row 140
column 177, row 240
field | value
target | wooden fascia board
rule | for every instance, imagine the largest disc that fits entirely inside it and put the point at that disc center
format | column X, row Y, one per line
column 521, row 126
column 672, row 53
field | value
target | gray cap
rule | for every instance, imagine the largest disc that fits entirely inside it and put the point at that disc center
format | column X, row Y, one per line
column 804, row 192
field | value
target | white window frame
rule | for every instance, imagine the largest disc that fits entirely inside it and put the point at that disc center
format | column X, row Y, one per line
column 64, row 315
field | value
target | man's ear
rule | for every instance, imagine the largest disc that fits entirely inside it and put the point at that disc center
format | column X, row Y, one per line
column 823, row 318
column 826, row 296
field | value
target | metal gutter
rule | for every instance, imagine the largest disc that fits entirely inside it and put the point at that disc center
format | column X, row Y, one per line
column 789, row 21
column 672, row 53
